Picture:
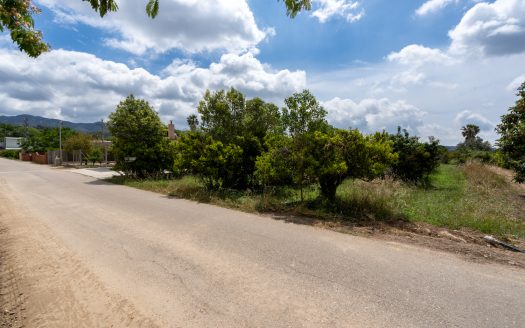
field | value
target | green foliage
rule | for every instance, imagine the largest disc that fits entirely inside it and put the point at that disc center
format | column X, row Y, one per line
column 416, row 160
column 8, row 130
column 472, row 141
column 293, row 7
column 232, row 131
column 512, row 140
column 215, row 163
column 303, row 114
column 82, row 142
column 328, row 158
column 273, row 166
column 12, row 154
column 193, row 122
column 103, row 6
column 139, row 134
column 95, row 155
column 44, row 139
column 17, row 17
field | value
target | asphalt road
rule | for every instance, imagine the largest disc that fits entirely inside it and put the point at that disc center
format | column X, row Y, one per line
column 185, row 264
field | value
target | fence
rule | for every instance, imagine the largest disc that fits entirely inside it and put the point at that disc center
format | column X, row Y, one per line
column 77, row 158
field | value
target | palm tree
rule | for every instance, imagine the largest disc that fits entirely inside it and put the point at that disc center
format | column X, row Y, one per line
column 193, row 122
column 470, row 131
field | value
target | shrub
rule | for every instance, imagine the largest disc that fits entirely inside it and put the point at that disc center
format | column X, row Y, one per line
column 416, row 160
column 12, row 154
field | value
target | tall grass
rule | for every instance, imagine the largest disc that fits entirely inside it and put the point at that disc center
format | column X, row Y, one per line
column 470, row 196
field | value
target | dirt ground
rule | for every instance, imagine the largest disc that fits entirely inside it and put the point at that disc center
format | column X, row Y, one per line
column 39, row 276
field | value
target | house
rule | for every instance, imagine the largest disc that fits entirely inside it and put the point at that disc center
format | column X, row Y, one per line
column 12, row 143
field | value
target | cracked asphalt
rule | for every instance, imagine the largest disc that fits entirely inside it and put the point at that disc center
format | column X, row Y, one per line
column 185, row 264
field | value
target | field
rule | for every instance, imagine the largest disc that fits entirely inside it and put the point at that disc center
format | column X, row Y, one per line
column 472, row 196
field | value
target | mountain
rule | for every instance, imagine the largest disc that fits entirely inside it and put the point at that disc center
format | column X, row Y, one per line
column 39, row 121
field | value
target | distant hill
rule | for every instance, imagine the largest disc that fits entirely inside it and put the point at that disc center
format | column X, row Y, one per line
column 39, row 121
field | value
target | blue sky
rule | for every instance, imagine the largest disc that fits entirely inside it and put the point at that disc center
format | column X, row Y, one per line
column 429, row 66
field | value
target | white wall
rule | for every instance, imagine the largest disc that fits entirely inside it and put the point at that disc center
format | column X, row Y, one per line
column 13, row 143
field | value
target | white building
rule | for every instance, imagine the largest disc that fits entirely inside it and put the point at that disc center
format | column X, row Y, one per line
column 13, row 143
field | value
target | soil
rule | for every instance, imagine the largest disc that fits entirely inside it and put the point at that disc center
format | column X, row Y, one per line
column 38, row 275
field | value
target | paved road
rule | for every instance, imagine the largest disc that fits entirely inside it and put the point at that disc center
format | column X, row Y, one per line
column 184, row 264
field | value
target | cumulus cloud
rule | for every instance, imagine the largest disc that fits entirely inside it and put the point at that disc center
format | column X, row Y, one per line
column 491, row 29
column 347, row 9
column 372, row 115
column 515, row 84
column 432, row 6
column 192, row 26
column 468, row 117
column 417, row 55
column 82, row 87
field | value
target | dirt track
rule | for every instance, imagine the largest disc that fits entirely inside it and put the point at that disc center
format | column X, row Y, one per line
column 43, row 284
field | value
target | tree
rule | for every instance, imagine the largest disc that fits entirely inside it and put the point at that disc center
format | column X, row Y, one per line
column 512, row 131
column 416, row 160
column 44, row 139
column 227, row 118
column 193, row 122
column 96, row 155
column 302, row 117
column 17, row 17
column 342, row 154
column 472, row 140
column 470, row 131
column 139, row 141
column 215, row 163
column 82, row 142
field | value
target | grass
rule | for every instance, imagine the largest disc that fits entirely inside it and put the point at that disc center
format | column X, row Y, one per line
column 471, row 196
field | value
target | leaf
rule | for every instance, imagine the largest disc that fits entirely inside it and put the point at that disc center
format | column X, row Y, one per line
column 152, row 8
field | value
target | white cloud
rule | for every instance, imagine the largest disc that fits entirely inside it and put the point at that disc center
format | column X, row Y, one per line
column 372, row 115
column 479, row 84
column 417, row 55
column 432, row 6
column 491, row 29
column 514, row 85
column 347, row 9
column 189, row 25
column 468, row 117
column 82, row 87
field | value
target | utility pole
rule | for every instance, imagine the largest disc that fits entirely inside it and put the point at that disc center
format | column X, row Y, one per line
column 60, row 139
column 104, row 143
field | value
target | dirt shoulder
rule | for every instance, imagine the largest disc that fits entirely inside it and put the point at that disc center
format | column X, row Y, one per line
column 43, row 284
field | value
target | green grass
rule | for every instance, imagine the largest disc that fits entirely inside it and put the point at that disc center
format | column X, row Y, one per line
column 471, row 196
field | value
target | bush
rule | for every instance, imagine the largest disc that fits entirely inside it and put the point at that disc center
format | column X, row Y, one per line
column 213, row 162
column 512, row 131
column 417, row 160
column 12, row 154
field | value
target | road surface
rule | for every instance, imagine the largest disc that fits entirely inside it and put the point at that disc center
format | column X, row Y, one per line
column 85, row 253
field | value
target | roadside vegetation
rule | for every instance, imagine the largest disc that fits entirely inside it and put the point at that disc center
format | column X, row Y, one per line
column 251, row 155
column 469, row 196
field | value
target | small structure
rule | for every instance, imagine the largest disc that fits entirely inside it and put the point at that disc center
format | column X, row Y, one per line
column 171, row 131
column 13, row 143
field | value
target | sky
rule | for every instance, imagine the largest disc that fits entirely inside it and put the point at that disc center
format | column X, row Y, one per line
column 428, row 66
